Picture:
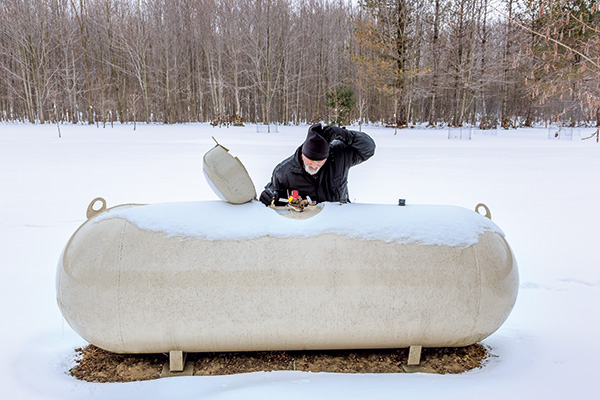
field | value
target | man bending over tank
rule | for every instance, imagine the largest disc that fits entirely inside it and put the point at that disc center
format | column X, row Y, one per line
column 319, row 168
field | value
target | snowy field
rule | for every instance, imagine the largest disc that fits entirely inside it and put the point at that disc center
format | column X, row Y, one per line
column 544, row 194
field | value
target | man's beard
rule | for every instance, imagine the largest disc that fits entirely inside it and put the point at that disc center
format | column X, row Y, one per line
column 310, row 170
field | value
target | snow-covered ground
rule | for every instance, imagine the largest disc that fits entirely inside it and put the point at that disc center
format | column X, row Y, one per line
column 544, row 194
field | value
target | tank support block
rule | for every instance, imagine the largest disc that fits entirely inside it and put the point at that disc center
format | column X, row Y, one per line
column 414, row 362
column 176, row 361
column 177, row 365
column 414, row 355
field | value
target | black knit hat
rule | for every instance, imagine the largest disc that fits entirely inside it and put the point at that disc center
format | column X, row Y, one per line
column 315, row 147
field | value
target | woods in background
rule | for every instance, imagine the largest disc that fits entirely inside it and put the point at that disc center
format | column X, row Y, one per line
column 396, row 62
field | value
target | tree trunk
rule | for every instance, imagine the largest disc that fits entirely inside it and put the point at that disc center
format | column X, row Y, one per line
column 506, row 72
column 483, row 65
column 402, row 17
column 433, row 115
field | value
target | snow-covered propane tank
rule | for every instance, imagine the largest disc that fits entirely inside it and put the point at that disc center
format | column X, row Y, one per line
column 213, row 276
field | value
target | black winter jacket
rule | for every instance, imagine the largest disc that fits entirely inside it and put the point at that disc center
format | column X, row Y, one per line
column 331, row 182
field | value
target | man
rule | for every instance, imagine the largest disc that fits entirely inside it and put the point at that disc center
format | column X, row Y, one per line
column 319, row 168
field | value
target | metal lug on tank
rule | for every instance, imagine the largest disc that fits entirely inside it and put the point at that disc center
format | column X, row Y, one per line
column 91, row 211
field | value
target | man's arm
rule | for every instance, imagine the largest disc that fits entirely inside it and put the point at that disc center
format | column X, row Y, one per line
column 274, row 189
column 267, row 196
column 363, row 145
column 270, row 193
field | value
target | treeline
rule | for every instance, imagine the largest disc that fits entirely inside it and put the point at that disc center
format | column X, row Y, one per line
column 400, row 62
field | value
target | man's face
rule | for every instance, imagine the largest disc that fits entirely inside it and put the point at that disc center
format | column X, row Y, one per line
column 312, row 166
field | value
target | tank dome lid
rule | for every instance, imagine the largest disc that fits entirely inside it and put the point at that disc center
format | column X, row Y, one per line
column 227, row 176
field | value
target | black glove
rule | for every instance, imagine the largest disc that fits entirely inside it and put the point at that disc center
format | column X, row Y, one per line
column 318, row 129
column 326, row 132
column 266, row 197
column 331, row 133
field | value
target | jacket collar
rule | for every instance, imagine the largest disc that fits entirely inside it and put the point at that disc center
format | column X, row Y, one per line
column 297, row 164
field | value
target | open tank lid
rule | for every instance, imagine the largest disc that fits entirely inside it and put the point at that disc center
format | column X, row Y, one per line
column 227, row 176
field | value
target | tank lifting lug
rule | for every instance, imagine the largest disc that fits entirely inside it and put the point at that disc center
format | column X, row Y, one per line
column 487, row 214
column 91, row 211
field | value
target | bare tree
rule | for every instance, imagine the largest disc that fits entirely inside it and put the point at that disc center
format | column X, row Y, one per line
column 408, row 61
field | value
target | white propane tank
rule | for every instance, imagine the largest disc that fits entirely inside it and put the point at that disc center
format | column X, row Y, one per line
column 238, row 276
column 213, row 276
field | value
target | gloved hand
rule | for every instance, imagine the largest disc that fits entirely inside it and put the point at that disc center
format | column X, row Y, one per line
column 318, row 129
column 266, row 197
column 331, row 133
column 323, row 131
